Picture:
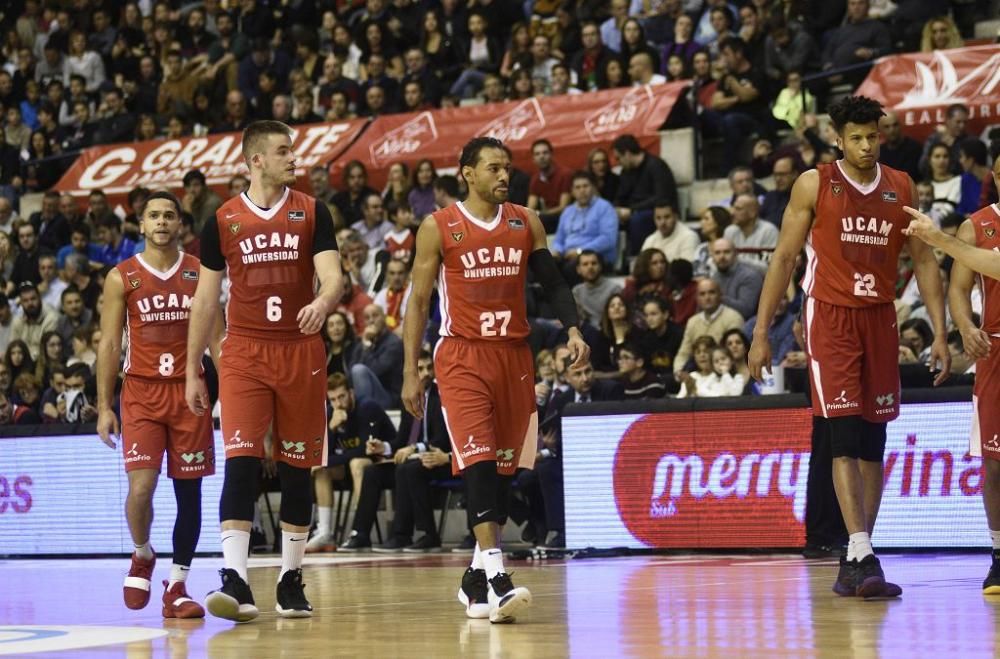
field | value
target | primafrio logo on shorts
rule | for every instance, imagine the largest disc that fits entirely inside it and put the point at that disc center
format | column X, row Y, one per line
column 235, row 442
column 471, row 448
column 133, row 455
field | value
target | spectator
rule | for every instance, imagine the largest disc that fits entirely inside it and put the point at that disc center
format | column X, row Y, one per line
column 540, row 63
column 972, row 158
column 788, row 47
column 785, row 171
column 421, row 195
column 319, row 182
column 423, row 456
column 947, row 186
column 79, row 243
column 377, row 77
column 180, row 81
column 642, row 71
column 225, row 53
column 394, row 296
column 634, row 42
column 683, row 44
column 650, row 277
column 98, row 208
column 940, row 33
column 7, row 215
column 115, row 247
column 115, row 124
column 18, row 359
column 26, row 262
column 51, row 286
column 698, row 381
column 359, row 260
column 199, row 200
column 951, row 134
column 599, row 166
column 397, row 188
column 51, row 227
column 793, row 102
column 238, row 185
column 780, row 334
column 353, row 303
column 377, row 371
column 56, row 382
column 73, row 405
column 372, row 227
column 675, row 239
column 83, row 353
column 713, row 319
column 28, row 392
column 236, row 118
column 593, row 292
column 738, row 345
column 6, row 321
column 611, row 29
column 638, row 382
column 445, row 191
column 550, row 375
column 561, row 82
column 351, row 200
column 753, row 238
column 190, row 243
column 402, row 240
column 479, row 53
column 917, row 335
column 50, row 356
column 860, row 39
column 616, row 328
column 739, row 107
column 661, row 339
column 549, row 192
column 262, row 59
column 417, row 71
column 684, row 296
column 84, row 62
column 646, row 181
column 16, row 133
column 548, row 463
column 590, row 223
column 77, row 274
column 899, row 151
column 740, row 282
column 591, row 59
column 338, row 335
column 12, row 414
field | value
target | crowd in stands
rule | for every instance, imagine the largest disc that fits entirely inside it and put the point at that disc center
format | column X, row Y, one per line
column 668, row 302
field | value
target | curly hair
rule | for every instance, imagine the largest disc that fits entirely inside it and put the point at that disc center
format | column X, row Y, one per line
column 855, row 110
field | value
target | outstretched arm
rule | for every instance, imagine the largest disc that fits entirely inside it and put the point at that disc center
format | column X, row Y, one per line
column 983, row 261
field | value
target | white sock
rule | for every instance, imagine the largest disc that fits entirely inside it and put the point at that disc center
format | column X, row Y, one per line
column 477, row 559
column 493, row 562
column 144, row 551
column 325, row 515
column 859, row 546
column 995, row 535
column 178, row 574
column 293, row 549
column 235, row 547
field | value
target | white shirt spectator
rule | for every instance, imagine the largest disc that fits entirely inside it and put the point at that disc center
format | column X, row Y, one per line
column 755, row 248
column 714, row 385
column 682, row 243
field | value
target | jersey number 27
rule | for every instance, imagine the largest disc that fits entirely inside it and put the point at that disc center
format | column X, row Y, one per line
column 490, row 319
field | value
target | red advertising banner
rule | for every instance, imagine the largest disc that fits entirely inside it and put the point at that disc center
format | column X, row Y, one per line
column 574, row 124
column 920, row 87
column 118, row 168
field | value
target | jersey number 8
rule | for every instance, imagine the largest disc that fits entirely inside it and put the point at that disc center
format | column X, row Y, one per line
column 166, row 364
column 489, row 321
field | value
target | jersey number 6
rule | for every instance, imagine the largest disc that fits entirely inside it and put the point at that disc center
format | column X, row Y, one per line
column 489, row 322
column 274, row 308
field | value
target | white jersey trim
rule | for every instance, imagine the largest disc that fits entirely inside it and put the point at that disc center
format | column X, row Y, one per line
column 813, row 363
column 260, row 212
column 488, row 226
column 164, row 275
column 996, row 208
column 863, row 189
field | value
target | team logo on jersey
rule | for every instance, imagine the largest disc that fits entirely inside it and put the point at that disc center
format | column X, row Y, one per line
column 190, row 275
column 135, row 282
column 515, row 223
column 889, row 195
column 234, row 228
column 457, row 236
column 990, row 232
column 296, row 216
column 837, row 188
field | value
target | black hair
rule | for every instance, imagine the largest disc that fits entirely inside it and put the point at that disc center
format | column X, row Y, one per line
column 163, row 194
column 583, row 174
column 447, row 184
column 974, row 148
column 855, row 110
column 194, row 175
column 475, row 146
column 626, row 144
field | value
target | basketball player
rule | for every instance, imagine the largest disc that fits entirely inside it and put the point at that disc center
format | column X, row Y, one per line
column 273, row 241
column 975, row 249
column 477, row 251
column 150, row 296
column 849, row 215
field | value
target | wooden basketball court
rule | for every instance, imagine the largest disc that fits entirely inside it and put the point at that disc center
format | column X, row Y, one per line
column 656, row 606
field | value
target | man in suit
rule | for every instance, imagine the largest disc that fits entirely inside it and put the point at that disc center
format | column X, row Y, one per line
column 424, row 456
column 584, row 388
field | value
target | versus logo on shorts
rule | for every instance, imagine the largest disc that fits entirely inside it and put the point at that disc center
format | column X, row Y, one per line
column 505, row 456
column 886, row 403
column 197, row 458
column 294, row 450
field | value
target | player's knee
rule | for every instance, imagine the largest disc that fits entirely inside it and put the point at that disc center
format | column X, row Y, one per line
column 846, row 436
column 873, row 437
column 481, row 482
column 358, row 466
column 296, row 495
column 240, row 488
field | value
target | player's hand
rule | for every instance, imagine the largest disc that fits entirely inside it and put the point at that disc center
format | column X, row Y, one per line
column 403, row 454
column 311, row 317
column 976, row 343
column 413, row 395
column 940, row 359
column 196, row 395
column 759, row 358
column 922, row 227
column 578, row 348
column 107, row 427
column 434, row 458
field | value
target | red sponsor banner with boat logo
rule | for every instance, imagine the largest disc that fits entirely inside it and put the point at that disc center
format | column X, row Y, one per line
column 158, row 164
column 574, row 124
column 919, row 87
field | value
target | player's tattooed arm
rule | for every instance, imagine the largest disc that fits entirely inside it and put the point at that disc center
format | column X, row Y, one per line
column 109, row 353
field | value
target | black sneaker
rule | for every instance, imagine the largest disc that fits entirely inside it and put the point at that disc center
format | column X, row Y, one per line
column 429, row 543
column 506, row 601
column 394, row 546
column 472, row 594
column 291, row 597
column 467, row 546
column 813, row 550
column 558, row 541
column 847, row 579
column 992, row 584
column 871, row 580
column 356, row 543
column 233, row 601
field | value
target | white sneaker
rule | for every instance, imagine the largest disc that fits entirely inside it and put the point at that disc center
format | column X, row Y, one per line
column 321, row 542
column 506, row 601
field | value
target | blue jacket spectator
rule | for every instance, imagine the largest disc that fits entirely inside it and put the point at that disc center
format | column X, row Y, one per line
column 115, row 247
column 588, row 223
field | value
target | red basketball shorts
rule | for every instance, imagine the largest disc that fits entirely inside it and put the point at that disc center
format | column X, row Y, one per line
column 156, row 419
column 853, row 360
column 261, row 382
column 985, row 437
column 488, row 401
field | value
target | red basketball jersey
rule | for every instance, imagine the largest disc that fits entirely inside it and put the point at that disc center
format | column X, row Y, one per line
column 269, row 257
column 853, row 246
column 400, row 245
column 986, row 222
column 157, row 308
column 481, row 281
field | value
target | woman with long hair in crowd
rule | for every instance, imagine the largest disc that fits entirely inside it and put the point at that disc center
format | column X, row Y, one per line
column 691, row 381
column 714, row 221
column 634, row 42
column 947, row 185
column 421, row 195
column 50, row 355
column 737, row 344
column 338, row 334
column 940, row 33
column 518, row 49
column 613, row 75
column 616, row 328
column 18, row 359
column 649, row 278
column 397, row 186
column 606, row 181
column 521, row 85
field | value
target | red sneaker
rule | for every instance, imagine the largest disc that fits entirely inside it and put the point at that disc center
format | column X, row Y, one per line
column 137, row 583
column 177, row 604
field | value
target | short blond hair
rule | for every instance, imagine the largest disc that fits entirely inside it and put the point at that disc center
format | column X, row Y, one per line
column 255, row 134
